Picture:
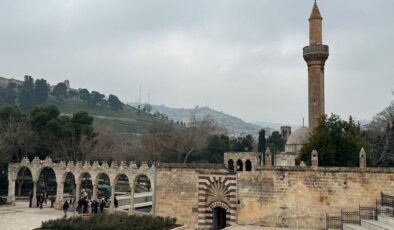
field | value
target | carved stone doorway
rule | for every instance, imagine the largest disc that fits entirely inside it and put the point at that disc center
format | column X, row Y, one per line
column 219, row 218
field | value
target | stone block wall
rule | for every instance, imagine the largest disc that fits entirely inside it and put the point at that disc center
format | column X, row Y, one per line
column 177, row 191
column 301, row 197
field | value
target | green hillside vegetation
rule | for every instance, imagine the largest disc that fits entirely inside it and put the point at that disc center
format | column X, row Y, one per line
column 108, row 112
column 129, row 120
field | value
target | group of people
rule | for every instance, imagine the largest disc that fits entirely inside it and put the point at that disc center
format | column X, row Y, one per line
column 41, row 198
column 83, row 206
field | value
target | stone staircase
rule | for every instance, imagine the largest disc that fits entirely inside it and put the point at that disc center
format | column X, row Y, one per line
column 384, row 222
column 378, row 217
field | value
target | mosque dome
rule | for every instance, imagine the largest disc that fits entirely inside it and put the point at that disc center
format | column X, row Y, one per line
column 298, row 137
column 296, row 140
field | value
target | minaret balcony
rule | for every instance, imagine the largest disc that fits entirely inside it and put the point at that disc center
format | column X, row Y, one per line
column 316, row 52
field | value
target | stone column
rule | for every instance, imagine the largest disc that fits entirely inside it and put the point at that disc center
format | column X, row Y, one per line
column 315, row 159
column 94, row 196
column 268, row 158
column 112, row 205
column 11, row 192
column 243, row 165
column 59, row 194
column 78, row 191
column 363, row 159
column 131, row 209
column 34, row 200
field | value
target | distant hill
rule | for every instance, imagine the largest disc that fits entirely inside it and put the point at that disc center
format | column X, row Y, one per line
column 234, row 125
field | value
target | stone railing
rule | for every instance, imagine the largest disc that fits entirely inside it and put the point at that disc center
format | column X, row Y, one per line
column 314, row 49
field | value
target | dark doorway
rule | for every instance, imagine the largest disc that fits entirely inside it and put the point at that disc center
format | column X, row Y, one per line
column 231, row 165
column 248, row 165
column 219, row 218
column 240, row 166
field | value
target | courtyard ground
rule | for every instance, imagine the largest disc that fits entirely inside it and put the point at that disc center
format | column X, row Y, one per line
column 22, row 217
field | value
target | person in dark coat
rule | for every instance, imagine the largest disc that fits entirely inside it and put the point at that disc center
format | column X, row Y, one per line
column 115, row 202
column 102, row 205
column 42, row 199
column 30, row 199
column 38, row 199
column 94, row 206
column 79, row 207
column 65, row 208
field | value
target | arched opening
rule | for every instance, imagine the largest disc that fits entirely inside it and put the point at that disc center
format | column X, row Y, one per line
column 219, row 218
column 69, row 186
column 248, row 165
column 142, row 194
column 86, row 186
column 46, row 186
column 104, row 189
column 122, row 192
column 24, row 183
column 231, row 165
column 240, row 166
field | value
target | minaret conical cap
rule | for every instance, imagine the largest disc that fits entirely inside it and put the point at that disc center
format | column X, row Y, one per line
column 315, row 12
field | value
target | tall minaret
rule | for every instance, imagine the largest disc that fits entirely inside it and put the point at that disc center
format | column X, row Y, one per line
column 315, row 56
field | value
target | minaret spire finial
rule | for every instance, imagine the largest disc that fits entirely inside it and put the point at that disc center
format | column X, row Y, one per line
column 315, row 12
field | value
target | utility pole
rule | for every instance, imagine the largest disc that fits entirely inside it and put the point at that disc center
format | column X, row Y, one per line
column 149, row 96
column 139, row 96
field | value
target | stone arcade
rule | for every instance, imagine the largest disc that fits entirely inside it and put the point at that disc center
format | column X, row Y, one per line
column 78, row 171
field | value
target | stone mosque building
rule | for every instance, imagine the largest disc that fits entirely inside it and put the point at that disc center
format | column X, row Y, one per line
column 247, row 189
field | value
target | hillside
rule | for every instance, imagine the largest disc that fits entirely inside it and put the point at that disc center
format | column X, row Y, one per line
column 126, row 121
column 234, row 126
column 28, row 93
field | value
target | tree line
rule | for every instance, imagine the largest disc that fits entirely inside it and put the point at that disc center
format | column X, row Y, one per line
column 31, row 93
column 339, row 142
column 44, row 132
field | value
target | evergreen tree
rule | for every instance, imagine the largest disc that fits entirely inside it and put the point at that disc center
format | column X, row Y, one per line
column 276, row 143
column 338, row 142
column 10, row 94
column 40, row 92
column 262, row 142
column 114, row 102
column 84, row 95
column 96, row 97
column 25, row 94
column 60, row 90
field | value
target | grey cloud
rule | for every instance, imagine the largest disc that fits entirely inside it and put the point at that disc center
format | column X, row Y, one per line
column 243, row 57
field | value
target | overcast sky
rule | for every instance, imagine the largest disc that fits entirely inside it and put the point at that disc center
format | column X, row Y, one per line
column 242, row 57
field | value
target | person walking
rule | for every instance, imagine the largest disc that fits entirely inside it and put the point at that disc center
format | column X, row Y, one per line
column 41, row 200
column 38, row 199
column 102, row 205
column 115, row 202
column 30, row 198
column 65, row 208
column 94, row 206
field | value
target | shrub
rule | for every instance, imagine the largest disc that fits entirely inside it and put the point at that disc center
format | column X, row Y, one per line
column 111, row 222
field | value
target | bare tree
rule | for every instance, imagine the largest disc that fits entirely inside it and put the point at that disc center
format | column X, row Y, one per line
column 379, row 133
column 74, row 147
column 169, row 142
column 17, row 139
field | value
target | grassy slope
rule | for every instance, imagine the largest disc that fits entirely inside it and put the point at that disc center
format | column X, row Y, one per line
column 126, row 121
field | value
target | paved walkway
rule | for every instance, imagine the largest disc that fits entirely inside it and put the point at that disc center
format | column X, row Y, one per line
column 22, row 217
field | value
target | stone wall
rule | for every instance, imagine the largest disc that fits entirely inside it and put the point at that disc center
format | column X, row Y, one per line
column 301, row 197
column 177, row 191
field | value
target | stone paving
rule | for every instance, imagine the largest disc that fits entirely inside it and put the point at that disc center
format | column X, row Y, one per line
column 21, row 217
